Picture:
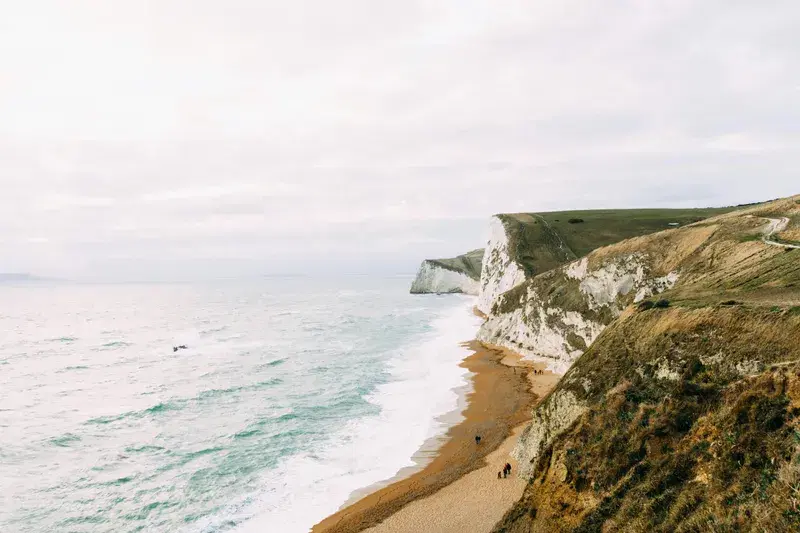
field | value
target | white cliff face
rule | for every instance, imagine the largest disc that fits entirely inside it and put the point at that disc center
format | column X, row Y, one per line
column 618, row 278
column 432, row 278
column 500, row 272
column 537, row 331
column 538, row 327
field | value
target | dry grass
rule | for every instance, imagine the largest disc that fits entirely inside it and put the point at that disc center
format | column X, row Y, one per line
column 792, row 231
column 714, row 449
column 693, row 411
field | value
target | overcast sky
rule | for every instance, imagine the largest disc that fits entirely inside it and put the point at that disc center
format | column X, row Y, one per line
column 166, row 139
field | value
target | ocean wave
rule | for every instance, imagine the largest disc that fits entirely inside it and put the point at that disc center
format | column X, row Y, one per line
column 205, row 451
column 164, row 406
column 116, row 482
column 157, row 409
column 65, row 441
column 145, row 511
column 212, row 393
column 144, row 449
column 70, row 368
column 247, row 433
column 416, row 388
column 115, row 344
column 107, row 419
column 177, row 404
column 211, row 331
column 63, row 339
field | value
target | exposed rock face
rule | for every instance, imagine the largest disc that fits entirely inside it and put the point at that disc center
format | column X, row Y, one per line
column 676, row 417
column 560, row 313
column 557, row 414
column 501, row 272
column 444, row 276
column 433, row 278
column 524, row 245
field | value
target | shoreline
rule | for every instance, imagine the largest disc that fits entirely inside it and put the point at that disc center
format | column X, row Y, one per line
column 504, row 391
column 424, row 455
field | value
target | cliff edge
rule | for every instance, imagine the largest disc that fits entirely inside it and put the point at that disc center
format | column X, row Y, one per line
column 681, row 408
column 444, row 276
column 522, row 245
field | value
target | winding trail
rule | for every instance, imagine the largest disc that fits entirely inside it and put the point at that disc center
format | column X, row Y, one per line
column 776, row 225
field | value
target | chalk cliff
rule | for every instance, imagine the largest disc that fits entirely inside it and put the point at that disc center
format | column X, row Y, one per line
column 441, row 276
column 683, row 411
column 544, row 297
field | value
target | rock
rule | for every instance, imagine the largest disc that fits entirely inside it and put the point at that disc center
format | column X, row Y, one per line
column 446, row 276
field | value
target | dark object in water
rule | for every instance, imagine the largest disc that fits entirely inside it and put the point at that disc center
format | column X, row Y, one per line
column 181, row 347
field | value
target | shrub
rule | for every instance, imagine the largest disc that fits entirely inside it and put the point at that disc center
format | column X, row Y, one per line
column 662, row 304
column 645, row 305
column 575, row 221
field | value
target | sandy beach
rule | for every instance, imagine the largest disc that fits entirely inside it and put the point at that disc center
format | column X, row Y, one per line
column 458, row 489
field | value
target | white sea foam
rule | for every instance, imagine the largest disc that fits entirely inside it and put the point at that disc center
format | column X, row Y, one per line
column 306, row 488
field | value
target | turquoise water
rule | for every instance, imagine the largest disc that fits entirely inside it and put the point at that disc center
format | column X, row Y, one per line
column 292, row 394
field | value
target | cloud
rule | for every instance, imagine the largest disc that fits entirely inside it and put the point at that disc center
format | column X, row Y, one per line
column 156, row 139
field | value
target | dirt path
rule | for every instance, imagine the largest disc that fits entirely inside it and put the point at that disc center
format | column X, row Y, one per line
column 776, row 225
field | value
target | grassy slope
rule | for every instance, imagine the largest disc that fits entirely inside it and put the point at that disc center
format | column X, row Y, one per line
column 543, row 241
column 468, row 263
column 717, row 446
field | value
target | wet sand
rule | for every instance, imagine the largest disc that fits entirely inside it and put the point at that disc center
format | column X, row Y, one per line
column 500, row 402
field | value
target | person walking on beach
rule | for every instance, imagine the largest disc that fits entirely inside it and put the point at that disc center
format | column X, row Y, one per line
column 508, row 468
column 477, row 439
column 498, row 475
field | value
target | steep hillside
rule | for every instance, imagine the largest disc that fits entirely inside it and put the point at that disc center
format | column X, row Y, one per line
column 458, row 275
column 524, row 244
column 683, row 414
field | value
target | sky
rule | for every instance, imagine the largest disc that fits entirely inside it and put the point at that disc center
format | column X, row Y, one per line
column 195, row 139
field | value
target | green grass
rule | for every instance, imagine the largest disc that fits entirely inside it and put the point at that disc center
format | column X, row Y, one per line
column 543, row 241
column 468, row 263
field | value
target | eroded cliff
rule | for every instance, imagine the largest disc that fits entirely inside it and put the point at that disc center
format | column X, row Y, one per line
column 683, row 414
column 442, row 276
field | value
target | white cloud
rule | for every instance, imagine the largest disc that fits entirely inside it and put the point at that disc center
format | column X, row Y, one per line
column 160, row 137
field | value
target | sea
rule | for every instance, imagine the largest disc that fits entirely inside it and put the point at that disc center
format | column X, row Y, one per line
column 291, row 394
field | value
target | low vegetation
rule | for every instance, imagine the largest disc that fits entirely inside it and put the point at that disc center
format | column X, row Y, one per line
column 468, row 263
column 693, row 424
column 543, row 241
column 684, row 414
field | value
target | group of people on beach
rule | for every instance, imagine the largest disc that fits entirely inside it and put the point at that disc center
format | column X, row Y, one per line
column 506, row 471
column 538, row 372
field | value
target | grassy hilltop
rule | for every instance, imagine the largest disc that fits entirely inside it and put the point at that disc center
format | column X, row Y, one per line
column 542, row 241
column 468, row 263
